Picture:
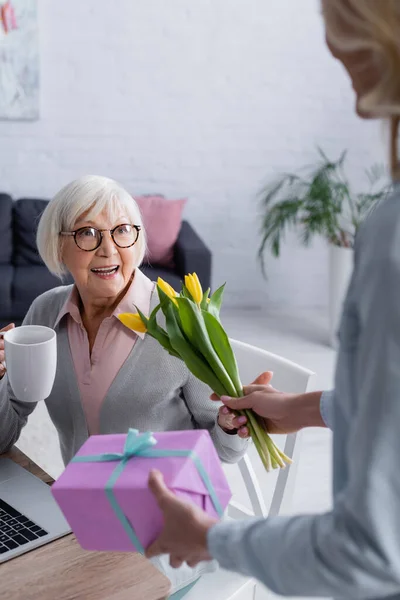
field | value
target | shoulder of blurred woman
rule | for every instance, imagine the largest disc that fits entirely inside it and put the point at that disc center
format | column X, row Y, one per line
column 378, row 241
column 45, row 309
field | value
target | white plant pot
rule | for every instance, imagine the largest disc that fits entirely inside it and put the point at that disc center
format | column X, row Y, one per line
column 340, row 270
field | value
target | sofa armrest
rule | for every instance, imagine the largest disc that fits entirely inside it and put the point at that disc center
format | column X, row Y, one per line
column 191, row 255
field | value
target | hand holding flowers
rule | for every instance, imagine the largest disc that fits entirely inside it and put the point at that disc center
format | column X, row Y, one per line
column 194, row 333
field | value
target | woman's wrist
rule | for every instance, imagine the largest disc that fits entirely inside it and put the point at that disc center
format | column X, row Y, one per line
column 306, row 409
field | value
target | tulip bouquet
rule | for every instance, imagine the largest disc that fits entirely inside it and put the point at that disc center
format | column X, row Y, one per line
column 193, row 333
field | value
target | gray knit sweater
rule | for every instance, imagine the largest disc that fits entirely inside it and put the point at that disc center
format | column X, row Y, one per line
column 152, row 391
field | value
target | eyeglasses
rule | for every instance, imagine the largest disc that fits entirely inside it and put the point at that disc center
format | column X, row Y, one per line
column 90, row 238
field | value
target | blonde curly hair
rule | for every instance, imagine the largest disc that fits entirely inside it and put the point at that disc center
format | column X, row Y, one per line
column 372, row 25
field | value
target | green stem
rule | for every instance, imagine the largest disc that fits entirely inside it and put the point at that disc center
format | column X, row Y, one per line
column 262, row 452
column 258, row 440
column 285, row 457
column 274, row 452
column 259, row 434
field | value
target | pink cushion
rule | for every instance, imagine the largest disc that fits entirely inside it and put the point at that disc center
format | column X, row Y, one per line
column 162, row 220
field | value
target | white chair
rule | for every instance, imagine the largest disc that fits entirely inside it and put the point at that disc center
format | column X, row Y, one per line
column 252, row 480
column 288, row 377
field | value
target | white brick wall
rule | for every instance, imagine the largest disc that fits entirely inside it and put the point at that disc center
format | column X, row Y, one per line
column 205, row 99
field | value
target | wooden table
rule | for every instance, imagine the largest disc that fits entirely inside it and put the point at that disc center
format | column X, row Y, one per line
column 61, row 570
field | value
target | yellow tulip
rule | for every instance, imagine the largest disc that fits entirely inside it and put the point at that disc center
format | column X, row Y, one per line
column 133, row 321
column 167, row 289
column 198, row 284
column 194, row 287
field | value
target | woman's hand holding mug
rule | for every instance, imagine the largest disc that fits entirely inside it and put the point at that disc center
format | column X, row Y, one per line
column 31, row 355
column 2, row 355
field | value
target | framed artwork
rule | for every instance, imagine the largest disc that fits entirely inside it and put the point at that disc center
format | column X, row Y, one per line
column 19, row 60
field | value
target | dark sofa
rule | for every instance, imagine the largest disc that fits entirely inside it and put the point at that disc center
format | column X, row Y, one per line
column 23, row 275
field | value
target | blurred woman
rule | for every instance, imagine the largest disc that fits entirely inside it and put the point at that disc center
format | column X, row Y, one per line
column 353, row 551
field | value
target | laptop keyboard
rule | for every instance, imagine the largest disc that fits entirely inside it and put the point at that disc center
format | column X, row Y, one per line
column 16, row 529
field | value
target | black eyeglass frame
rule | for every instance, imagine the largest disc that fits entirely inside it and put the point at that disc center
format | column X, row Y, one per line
column 101, row 231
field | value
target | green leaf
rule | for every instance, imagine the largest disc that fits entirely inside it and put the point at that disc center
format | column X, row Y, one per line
column 165, row 300
column 163, row 339
column 214, row 306
column 271, row 191
column 194, row 362
column 222, row 347
column 204, row 303
column 185, row 292
column 156, row 331
column 196, row 332
column 143, row 317
column 277, row 220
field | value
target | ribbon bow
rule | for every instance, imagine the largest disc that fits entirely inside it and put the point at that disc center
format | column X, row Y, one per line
column 135, row 445
column 142, row 445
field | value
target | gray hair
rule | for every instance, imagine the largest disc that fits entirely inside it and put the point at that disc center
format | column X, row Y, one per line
column 90, row 195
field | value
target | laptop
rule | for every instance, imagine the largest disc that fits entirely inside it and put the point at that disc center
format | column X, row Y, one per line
column 29, row 515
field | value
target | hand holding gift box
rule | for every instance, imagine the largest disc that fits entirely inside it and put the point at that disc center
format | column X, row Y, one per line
column 194, row 333
column 104, row 493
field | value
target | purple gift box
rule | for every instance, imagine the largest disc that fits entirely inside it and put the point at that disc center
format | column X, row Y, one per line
column 104, row 493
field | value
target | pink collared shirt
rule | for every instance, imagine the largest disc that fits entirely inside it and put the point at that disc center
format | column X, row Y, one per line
column 113, row 343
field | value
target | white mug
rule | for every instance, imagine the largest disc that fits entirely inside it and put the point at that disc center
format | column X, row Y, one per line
column 31, row 359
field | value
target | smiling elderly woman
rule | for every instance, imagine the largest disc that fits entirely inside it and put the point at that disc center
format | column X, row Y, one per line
column 108, row 377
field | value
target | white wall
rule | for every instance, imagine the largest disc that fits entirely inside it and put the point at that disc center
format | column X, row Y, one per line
column 206, row 99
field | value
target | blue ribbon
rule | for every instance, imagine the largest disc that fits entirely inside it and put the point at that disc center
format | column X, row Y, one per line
column 142, row 445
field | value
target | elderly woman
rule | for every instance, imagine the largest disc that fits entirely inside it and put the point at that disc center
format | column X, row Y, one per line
column 108, row 377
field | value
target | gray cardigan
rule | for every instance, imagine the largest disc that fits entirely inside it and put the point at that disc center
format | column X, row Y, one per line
column 152, row 391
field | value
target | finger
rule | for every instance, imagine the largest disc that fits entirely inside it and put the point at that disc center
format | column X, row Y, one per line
column 226, row 422
column 258, row 384
column 2, row 370
column 155, row 549
column 175, row 562
column 238, row 403
column 239, row 421
column 159, row 489
column 224, row 411
column 249, row 389
column 192, row 563
column 264, row 378
column 7, row 327
column 243, row 432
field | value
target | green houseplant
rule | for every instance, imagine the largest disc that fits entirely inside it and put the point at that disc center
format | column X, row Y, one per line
column 320, row 203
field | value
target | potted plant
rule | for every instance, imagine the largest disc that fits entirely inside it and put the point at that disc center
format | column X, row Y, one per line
column 321, row 203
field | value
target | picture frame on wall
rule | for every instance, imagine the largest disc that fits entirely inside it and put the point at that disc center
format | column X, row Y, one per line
column 19, row 60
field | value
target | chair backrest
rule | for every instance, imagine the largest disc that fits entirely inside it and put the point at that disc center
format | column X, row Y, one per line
column 288, row 377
